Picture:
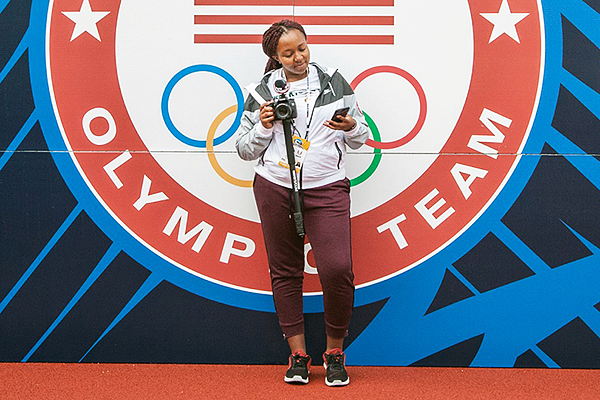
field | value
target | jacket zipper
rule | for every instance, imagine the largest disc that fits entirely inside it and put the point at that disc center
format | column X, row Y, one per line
column 339, row 154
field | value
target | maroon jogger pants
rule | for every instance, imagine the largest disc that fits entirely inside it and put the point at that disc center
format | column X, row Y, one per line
column 326, row 212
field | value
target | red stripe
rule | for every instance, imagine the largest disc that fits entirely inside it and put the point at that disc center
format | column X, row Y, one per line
column 239, row 19
column 314, row 39
column 304, row 20
column 296, row 3
column 351, row 39
column 227, row 38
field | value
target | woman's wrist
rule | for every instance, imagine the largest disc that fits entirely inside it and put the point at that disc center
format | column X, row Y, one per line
column 352, row 127
column 263, row 130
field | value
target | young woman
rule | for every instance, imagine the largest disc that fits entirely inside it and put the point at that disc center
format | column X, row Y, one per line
column 324, row 190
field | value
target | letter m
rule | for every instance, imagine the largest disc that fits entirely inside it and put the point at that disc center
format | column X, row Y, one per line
column 477, row 141
column 180, row 216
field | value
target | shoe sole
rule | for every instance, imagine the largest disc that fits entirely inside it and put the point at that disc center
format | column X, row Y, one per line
column 296, row 379
column 337, row 383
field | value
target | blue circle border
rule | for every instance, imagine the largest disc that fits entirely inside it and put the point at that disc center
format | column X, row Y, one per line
column 167, row 95
column 263, row 302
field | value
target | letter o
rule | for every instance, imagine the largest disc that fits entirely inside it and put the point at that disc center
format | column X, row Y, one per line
column 104, row 138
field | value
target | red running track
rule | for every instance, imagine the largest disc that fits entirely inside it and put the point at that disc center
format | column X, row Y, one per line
column 160, row 381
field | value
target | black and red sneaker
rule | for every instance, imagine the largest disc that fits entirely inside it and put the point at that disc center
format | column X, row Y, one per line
column 298, row 368
column 335, row 361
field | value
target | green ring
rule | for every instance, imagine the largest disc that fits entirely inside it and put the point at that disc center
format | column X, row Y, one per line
column 376, row 158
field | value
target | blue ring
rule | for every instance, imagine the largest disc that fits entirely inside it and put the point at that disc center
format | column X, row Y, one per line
column 190, row 70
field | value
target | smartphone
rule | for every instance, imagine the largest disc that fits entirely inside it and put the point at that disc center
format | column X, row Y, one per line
column 340, row 112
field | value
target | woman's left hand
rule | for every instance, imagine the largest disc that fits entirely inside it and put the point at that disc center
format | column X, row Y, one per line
column 342, row 124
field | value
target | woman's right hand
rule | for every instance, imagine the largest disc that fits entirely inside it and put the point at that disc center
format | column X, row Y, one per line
column 266, row 115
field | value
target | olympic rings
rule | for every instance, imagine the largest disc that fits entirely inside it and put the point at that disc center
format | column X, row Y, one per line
column 422, row 102
column 211, row 155
column 190, row 70
column 211, row 141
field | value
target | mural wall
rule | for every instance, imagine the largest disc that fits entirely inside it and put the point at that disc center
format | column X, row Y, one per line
column 128, row 230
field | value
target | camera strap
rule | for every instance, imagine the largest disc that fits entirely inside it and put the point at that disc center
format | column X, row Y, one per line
column 298, row 218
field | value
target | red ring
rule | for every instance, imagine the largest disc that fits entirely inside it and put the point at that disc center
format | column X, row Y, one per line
column 422, row 103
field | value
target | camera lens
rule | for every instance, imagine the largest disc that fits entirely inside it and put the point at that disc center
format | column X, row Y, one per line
column 283, row 111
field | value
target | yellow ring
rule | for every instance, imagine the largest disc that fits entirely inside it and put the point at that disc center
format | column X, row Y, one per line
column 211, row 155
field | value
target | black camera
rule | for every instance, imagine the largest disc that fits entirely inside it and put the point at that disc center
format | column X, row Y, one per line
column 284, row 108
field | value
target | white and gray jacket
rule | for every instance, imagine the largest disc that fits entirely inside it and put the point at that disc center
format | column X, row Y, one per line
column 325, row 161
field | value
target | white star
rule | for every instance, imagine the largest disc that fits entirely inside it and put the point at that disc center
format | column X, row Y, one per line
column 85, row 20
column 505, row 22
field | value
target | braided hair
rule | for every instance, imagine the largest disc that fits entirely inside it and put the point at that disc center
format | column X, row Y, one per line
column 271, row 40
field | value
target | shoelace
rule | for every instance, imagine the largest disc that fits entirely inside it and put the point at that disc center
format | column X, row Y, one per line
column 299, row 360
column 335, row 361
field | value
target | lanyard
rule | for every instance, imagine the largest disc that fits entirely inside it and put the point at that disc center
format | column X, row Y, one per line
column 309, row 114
